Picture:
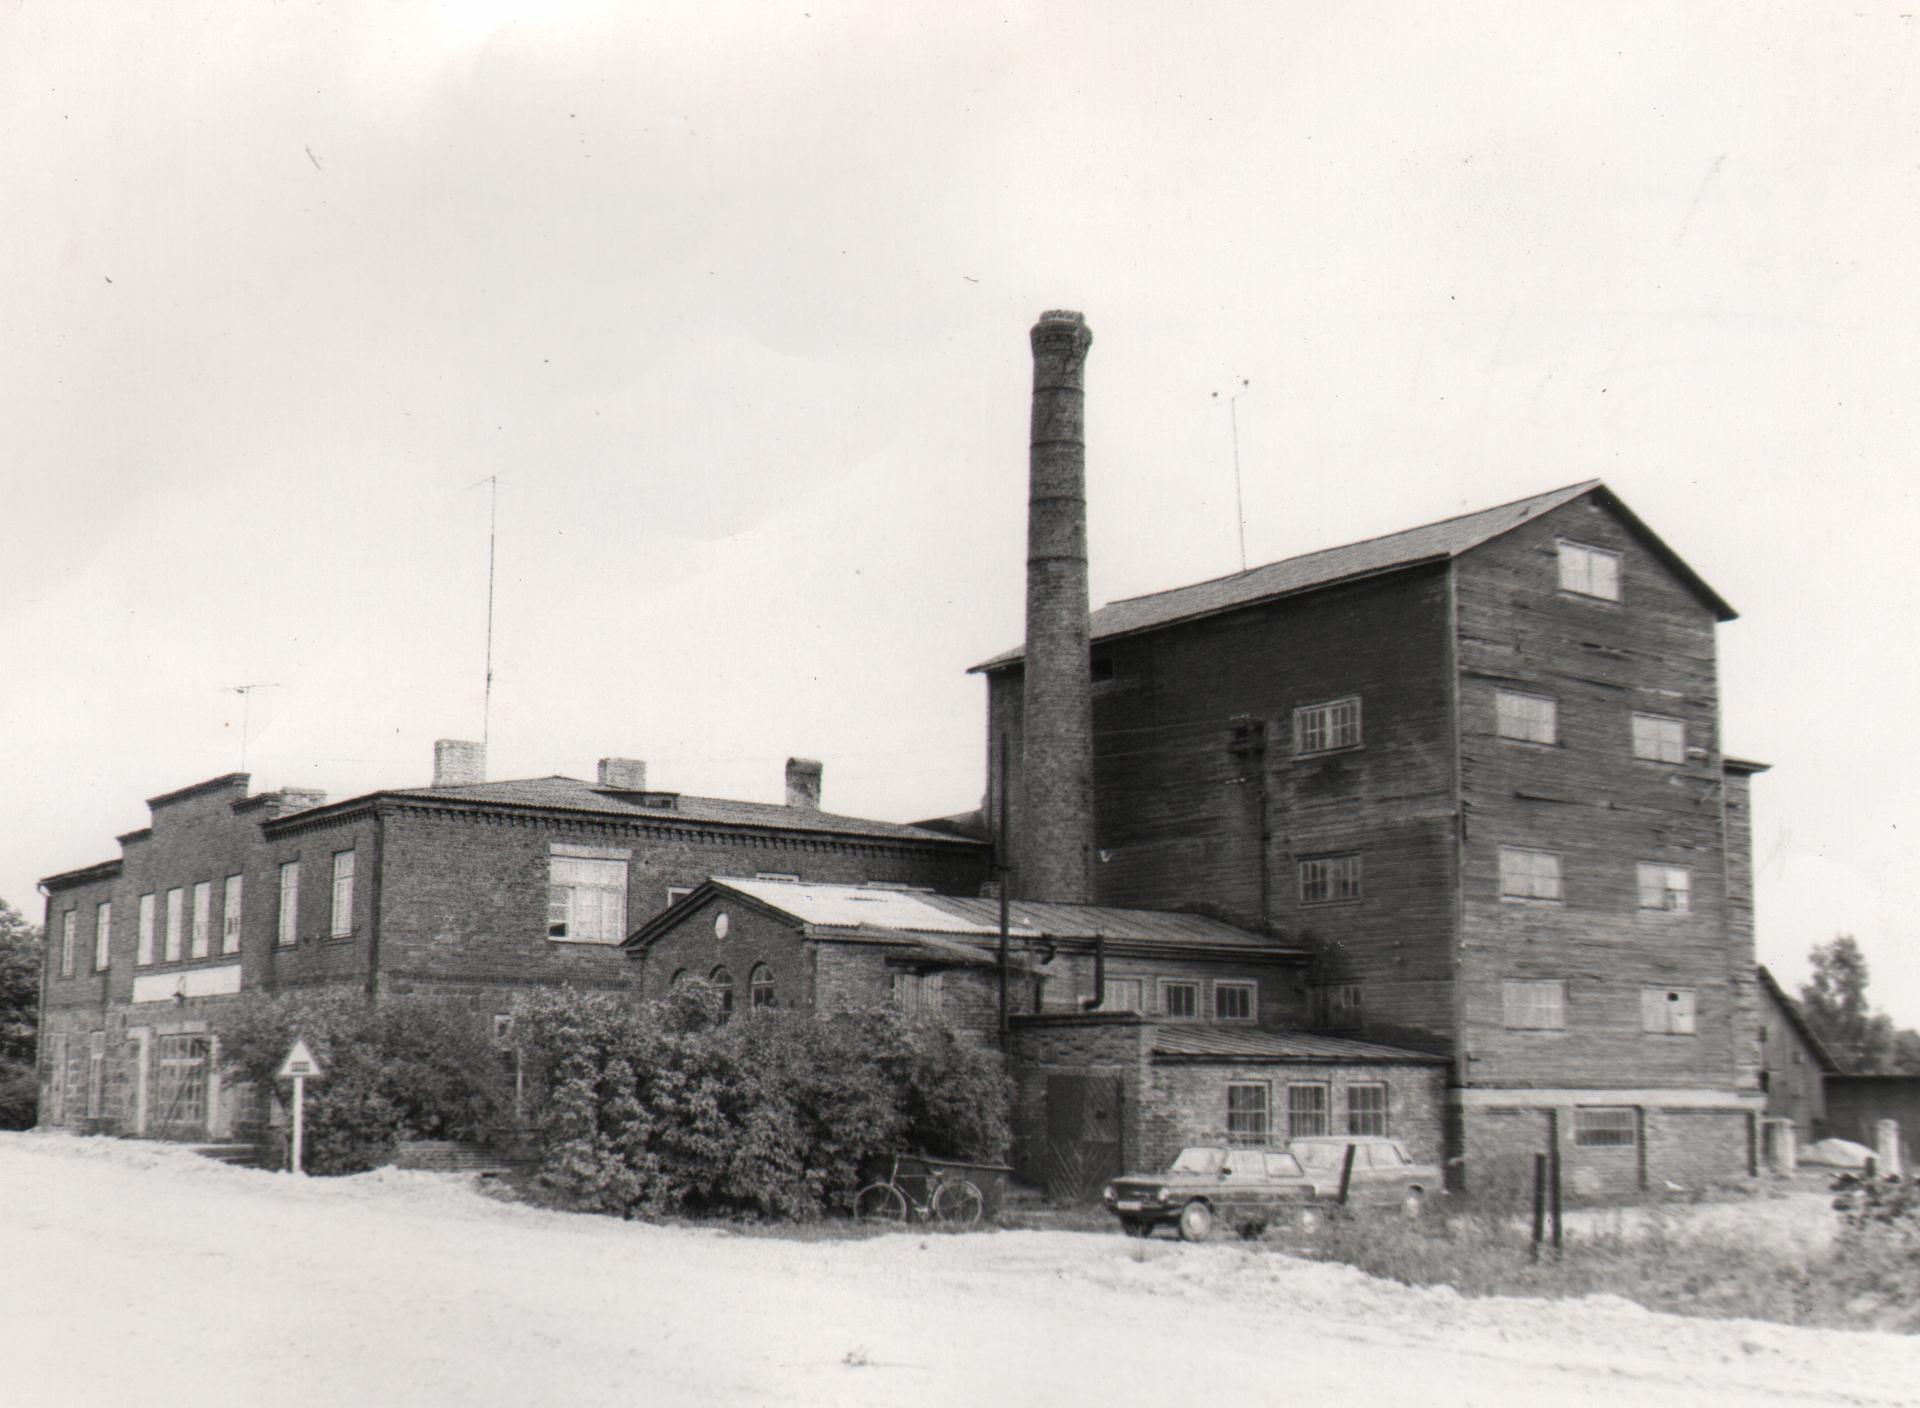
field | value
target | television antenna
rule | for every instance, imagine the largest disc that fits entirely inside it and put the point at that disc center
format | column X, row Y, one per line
column 245, row 691
column 492, row 481
column 1232, row 400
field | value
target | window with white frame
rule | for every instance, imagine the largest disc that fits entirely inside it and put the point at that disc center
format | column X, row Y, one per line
column 1667, row 1011
column 1307, row 1111
column 102, row 935
column 1179, row 999
column 143, row 955
column 919, row 992
column 289, row 930
column 1603, row 1127
column 1529, row 875
column 230, row 916
column 1235, row 1001
column 1322, row 728
column 1529, row 718
column 1367, row 1108
column 1330, row 879
column 343, row 866
column 202, row 919
column 1589, row 571
column 66, row 944
column 1665, row 887
column 1533, row 1005
column 1659, row 739
column 176, row 912
column 1121, row 995
column 1249, row 1120
column 587, row 899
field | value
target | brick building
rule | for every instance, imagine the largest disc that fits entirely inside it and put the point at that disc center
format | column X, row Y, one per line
column 1475, row 770
column 470, row 889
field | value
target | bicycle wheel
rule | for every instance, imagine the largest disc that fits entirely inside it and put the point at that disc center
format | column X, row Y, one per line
column 958, row 1203
column 879, row 1202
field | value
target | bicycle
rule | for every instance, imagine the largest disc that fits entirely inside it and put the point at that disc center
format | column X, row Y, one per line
column 951, row 1201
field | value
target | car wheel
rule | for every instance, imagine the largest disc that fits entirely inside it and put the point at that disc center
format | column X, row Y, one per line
column 1133, row 1227
column 1414, row 1203
column 1196, row 1222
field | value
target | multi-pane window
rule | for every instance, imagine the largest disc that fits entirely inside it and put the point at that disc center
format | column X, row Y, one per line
column 1534, row 1006
column 289, row 930
column 342, row 924
column 1307, row 1111
column 230, row 916
column 1122, row 995
column 760, row 986
column 587, row 900
column 918, row 992
column 1179, row 999
column 144, row 953
column 1667, row 887
column 1321, row 728
column 1248, row 1119
column 1329, row 879
column 722, row 980
column 1659, row 739
column 1603, row 1127
column 1529, row 875
column 102, row 935
column 66, row 944
column 203, row 919
column 1531, row 718
column 1667, row 1011
column 1235, row 1001
column 1589, row 571
column 1367, row 1109
column 176, row 910
column 1338, row 1004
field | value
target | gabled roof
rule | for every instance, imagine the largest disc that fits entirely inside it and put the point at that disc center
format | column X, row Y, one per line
column 569, row 794
column 1182, row 1040
column 1431, row 542
column 855, row 912
column 1798, row 1021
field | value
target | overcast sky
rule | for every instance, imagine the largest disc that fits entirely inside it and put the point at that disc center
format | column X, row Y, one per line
column 733, row 299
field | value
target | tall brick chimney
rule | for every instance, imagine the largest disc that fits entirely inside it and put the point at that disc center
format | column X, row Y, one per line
column 457, row 763
column 803, row 783
column 623, row 774
column 1053, row 855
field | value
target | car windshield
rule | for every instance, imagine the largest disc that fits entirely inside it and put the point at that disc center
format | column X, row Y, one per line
column 1283, row 1166
column 1199, row 1161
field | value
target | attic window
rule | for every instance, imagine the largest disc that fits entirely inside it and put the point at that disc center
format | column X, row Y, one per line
column 1589, row 571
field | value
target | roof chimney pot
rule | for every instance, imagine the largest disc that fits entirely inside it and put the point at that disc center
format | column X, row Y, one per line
column 803, row 783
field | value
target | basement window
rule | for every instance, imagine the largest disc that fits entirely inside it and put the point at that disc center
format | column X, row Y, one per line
column 1589, row 571
column 586, row 900
column 1235, row 1001
column 1330, row 879
column 1603, row 1127
column 1249, row 1120
column 1324, row 728
column 1666, row 887
column 1527, row 718
column 1667, row 1011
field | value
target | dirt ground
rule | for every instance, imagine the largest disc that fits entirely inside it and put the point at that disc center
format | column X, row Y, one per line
column 140, row 1273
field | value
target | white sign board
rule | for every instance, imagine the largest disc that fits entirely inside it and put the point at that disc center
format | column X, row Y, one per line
column 300, row 1062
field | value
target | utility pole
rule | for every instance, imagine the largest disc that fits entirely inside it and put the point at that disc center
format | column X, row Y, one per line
column 245, row 691
column 492, row 481
column 1232, row 400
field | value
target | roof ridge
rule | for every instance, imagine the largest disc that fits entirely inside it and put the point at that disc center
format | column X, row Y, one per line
column 1584, row 486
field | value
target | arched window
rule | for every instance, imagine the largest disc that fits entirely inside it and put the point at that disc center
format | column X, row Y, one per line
column 679, row 977
column 722, row 982
column 760, row 986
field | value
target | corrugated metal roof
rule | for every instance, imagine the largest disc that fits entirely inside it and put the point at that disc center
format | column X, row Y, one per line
column 571, row 794
column 914, row 911
column 1431, row 542
column 1182, row 1040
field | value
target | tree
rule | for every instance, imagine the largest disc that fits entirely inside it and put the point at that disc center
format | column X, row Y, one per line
column 1835, row 1003
column 20, row 959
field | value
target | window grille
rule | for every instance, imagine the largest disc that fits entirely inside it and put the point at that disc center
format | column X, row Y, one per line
column 1180, row 1000
column 1235, row 1001
column 1603, row 1127
column 1306, row 1111
column 1329, row 879
column 1322, row 728
column 1366, row 1109
column 1247, row 1114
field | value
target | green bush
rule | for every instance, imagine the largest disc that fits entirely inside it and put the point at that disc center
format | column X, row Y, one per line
column 407, row 1068
column 657, row 1109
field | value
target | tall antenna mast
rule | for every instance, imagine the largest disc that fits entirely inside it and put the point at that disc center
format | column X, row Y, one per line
column 245, row 691
column 492, row 481
column 1239, row 504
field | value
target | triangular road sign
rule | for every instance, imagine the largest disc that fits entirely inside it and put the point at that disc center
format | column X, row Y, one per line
column 300, row 1062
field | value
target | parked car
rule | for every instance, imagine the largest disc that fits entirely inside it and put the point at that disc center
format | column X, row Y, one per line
column 1383, row 1172
column 1245, row 1188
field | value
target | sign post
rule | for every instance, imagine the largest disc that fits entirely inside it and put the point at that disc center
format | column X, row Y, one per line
column 300, row 1067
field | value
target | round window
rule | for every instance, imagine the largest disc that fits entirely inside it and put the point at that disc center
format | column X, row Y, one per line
column 721, row 924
